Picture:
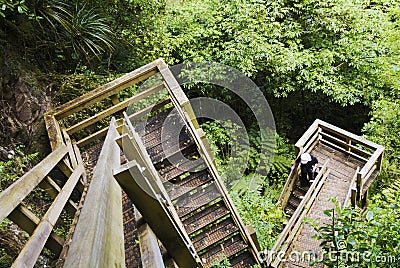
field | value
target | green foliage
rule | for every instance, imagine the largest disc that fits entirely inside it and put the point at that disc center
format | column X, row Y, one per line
column 14, row 168
column 357, row 239
column 222, row 262
column 79, row 28
column 384, row 129
column 261, row 211
column 14, row 7
column 384, row 126
column 344, row 49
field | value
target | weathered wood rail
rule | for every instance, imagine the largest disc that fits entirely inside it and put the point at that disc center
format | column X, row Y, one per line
column 67, row 158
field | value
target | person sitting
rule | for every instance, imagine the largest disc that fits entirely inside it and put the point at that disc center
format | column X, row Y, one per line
column 307, row 161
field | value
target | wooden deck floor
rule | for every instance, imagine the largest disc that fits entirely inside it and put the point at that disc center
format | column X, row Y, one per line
column 342, row 168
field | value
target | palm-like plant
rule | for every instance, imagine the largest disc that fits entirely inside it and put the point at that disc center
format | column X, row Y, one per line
column 78, row 27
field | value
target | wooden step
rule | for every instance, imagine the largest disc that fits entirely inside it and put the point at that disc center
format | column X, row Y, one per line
column 216, row 234
column 243, row 260
column 185, row 206
column 228, row 248
column 178, row 187
column 205, row 217
column 295, row 202
column 182, row 166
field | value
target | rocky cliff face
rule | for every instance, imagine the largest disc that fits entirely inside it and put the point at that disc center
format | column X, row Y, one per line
column 21, row 113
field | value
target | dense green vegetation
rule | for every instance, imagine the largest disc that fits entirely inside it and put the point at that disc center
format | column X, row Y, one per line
column 338, row 60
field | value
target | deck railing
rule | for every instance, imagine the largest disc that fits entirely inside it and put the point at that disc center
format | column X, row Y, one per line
column 41, row 230
column 320, row 132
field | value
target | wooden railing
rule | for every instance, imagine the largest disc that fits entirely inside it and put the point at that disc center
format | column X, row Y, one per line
column 66, row 157
column 304, row 145
column 142, row 184
column 352, row 193
column 369, row 153
column 288, row 234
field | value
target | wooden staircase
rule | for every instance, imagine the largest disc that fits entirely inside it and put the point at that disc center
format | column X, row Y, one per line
column 145, row 192
column 349, row 166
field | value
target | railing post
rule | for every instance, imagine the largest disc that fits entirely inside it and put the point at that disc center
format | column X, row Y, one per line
column 354, row 197
column 348, row 146
column 379, row 161
column 359, row 185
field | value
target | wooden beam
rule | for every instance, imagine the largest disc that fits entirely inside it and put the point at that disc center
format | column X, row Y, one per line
column 98, row 239
column 105, row 91
column 79, row 159
column 139, row 190
column 53, row 131
column 352, row 189
column 253, row 235
column 347, row 146
column 344, row 150
column 372, row 161
column 35, row 244
column 28, row 222
column 72, row 157
column 11, row 197
column 346, row 134
column 114, row 109
column 101, row 133
column 308, row 134
column 149, row 250
column 52, row 189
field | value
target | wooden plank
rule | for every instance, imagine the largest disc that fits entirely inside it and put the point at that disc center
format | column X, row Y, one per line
column 288, row 187
column 343, row 150
column 105, row 91
column 253, row 235
column 101, row 133
column 11, row 197
column 52, row 189
column 139, row 190
column 311, row 142
column 341, row 132
column 172, row 85
column 72, row 158
column 347, row 146
column 114, row 109
column 35, row 244
column 149, row 249
column 205, row 142
column 79, row 159
column 372, row 161
column 28, row 222
column 352, row 187
column 53, row 131
column 308, row 134
column 98, row 239
column 286, row 190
